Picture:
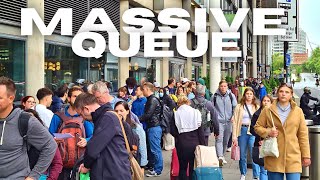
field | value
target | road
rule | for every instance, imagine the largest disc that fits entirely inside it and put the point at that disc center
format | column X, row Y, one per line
column 310, row 82
column 230, row 170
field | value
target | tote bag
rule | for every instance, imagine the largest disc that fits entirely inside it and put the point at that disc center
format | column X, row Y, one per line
column 235, row 153
column 269, row 145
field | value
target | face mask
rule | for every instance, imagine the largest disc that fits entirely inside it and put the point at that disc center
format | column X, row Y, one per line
column 167, row 92
column 160, row 94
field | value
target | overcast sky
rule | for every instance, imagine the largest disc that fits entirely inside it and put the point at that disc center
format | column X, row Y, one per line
column 310, row 20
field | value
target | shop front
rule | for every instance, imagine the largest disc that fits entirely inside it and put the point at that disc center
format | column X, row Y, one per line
column 12, row 63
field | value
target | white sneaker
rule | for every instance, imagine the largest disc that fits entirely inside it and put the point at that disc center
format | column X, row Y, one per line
column 223, row 160
column 229, row 149
column 243, row 177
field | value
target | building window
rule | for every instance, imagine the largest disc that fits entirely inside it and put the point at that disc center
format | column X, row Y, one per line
column 142, row 67
column 63, row 66
column 12, row 63
column 111, row 71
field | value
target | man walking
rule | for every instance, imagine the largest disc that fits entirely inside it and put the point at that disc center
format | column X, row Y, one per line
column 151, row 116
column 14, row 163
column 224, row 102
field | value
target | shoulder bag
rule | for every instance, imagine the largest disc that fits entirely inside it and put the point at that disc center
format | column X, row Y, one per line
column 269, row 145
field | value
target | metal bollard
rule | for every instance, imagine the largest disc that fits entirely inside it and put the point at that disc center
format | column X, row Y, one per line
column 314, row 137
column 305, row 170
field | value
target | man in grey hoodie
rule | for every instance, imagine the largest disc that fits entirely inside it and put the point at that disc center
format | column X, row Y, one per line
column 224, row 102
column 14, row 162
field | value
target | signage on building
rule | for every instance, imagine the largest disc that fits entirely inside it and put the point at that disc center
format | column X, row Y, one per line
column 289, row 20
column 230, row 59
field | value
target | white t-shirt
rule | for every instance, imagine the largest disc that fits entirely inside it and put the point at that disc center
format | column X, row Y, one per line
column 246, row 118
column 44, row 114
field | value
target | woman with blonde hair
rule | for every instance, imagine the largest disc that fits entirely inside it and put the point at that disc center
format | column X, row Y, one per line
column 241, row 130
column 291, row 133
column 188, row 134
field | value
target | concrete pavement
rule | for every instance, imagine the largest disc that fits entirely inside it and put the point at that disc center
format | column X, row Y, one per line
column 230, row 170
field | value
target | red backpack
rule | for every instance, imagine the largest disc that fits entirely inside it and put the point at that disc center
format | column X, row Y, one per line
column 69, row 150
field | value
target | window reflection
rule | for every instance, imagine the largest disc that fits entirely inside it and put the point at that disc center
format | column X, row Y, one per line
column 142, row 67
column 63, row 66
column 12, row 63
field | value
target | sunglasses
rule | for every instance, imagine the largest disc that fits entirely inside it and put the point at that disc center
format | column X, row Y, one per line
column 289, row 85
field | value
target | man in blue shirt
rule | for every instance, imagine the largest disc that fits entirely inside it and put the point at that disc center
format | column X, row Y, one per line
column 138, row 105
column 70, row 111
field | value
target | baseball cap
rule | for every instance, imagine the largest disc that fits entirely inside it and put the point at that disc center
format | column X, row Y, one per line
column 184, row 80
column 156, row 84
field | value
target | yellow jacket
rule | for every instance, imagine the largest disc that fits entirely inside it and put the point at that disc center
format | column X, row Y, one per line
column 293, row 139
column 237, row 120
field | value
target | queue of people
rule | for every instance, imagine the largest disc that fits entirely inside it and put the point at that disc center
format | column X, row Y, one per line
column 97, row 139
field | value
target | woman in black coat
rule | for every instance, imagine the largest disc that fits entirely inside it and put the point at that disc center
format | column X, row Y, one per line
column 266, row 102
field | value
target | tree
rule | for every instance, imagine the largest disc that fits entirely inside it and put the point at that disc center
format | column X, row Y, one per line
column 313, row 63
column 277, row 64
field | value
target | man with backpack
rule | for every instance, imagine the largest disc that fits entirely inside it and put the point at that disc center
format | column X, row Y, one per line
column 14, row 162
column 69, row 121
column 207, row 110
column 224, row 102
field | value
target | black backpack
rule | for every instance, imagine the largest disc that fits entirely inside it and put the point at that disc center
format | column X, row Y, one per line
column 33, row 153
column 166, row 116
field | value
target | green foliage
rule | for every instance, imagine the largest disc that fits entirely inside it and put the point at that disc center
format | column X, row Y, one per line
column 271, row 84
column 229, row 79
column 277, row 63
column 313, row 63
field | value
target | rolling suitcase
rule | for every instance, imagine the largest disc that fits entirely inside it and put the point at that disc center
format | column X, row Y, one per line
column 207, row 173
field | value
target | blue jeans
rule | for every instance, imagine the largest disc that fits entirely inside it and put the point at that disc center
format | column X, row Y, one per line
column 263, row 173
column 154, row 138
column 279, row 176
column 245, row 142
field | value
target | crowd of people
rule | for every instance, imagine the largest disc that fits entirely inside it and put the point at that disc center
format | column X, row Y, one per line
column 78, row 129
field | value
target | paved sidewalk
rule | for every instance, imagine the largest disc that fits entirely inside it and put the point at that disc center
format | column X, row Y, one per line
column 230, row 170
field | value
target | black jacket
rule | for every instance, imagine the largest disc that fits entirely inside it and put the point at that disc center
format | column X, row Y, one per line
column 168, row 101
column 304, row 101
column 152, row 112
column 253, row 123
column 106, row 154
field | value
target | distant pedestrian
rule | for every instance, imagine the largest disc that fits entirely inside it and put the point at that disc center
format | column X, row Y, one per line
column 317, row 82
column 262, row 91
column 292, row 82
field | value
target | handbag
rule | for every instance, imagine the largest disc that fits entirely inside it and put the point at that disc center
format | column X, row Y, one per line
column 136, row 171
column 269, row 145
column 168, row 142
column 255, row 156
column 235, row 153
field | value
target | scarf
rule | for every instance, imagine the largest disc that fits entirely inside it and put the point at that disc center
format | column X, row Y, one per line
column 187, row 119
